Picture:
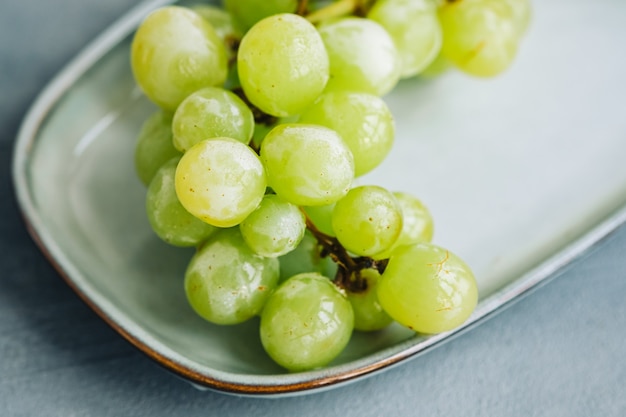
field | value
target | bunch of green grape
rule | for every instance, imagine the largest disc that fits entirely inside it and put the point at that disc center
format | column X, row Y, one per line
column 269, row 110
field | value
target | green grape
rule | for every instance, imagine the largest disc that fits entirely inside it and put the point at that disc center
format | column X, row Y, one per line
column 174, row 53
column 367, row 220
column 321, row 217
column 306, row 322
column 362, row 56
column 209, row 113
column 168, row 218
column 227, row 283
column 220, row 181
column 248, row 12
column 362, row 120
column 307, row 165
column 306, row 258
column 414, row 27
column 263, row 128
column 154, row 146
column 369, row 315
column 427, row 288
column 220, row 20
column 479, row 36
column 275, row 228
column 417, row 223
column 282, row 64
column 522, row 13
column 225, row 28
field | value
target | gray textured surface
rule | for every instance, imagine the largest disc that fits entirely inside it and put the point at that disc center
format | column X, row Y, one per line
column 559, row 352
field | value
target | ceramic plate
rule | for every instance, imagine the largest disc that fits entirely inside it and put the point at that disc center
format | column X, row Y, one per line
column 521, row 173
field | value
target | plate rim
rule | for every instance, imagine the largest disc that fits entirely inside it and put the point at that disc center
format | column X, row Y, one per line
column 258, row 385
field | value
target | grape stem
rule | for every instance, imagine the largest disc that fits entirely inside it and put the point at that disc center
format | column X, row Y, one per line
column 303, row 7
column 349, row 268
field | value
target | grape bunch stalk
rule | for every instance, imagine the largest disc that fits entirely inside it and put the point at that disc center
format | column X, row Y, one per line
column 268, row 111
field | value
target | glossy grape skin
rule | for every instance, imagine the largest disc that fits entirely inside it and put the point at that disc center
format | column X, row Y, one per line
column 306, row 322
column 367, row 220
column 427, row 288
column 480, row 37
column 307, row 165
column 246, row 13
column 227, row 283
column 168, row 218
column 369, row 315
column 414, row 28
column 363, row 121
column 220, row 181
column 154, row 146
column 226, row 29
column 282, row 64
column 417, row 223
column 174, row 53
column 208, row 113
column 362, row 56
column 275, row 228
column 220, row 20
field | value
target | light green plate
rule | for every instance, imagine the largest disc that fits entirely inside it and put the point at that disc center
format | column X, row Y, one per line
column 520, row 172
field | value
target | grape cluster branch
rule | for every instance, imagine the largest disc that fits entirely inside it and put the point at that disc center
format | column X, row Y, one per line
column 349, row 268
column 303, row 7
